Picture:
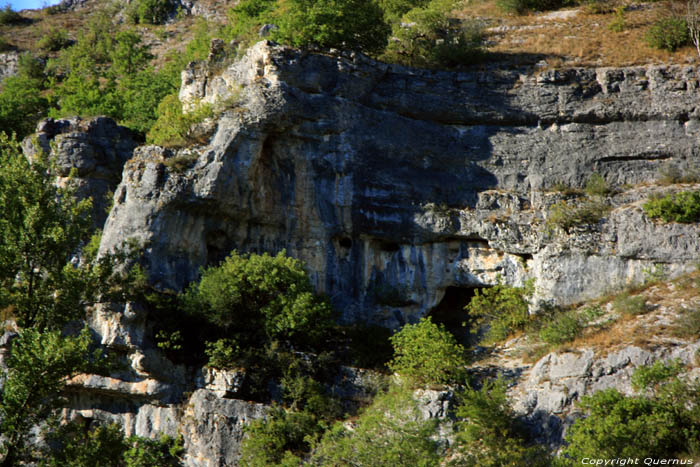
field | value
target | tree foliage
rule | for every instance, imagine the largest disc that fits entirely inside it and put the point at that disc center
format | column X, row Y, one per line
column 426, row 353
column 502, row 307
column 76, row 445
column 41, row 225
column 255, row 299
column 681, row 207
column 343, row 24
column 388, row 433
column 21, row 101
column 427, row 37
column 39, row 365
column 487, row 431
column 664, row 423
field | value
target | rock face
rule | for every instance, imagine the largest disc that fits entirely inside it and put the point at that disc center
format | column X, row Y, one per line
column 94, row 149
column 8, row 64
column 398, row 187
column 402, row 190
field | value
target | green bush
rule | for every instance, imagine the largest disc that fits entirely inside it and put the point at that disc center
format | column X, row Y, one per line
column 105, row 445
column 564, row 328
column 256, row 299
column 565, row 215
column 651, row 376
column 4, row 45
column 390, row 432
column 427, row 354
column 172, row 128
column 22, row 105
column 245, row 19
column 488, row 433
column 428, row 37
column 10, row 16
column 668, row 34
column 149, row 11
column 53, row 40
column 395, row 9
column 287, row 433
column 503, row 308
column 629, row 305
column 682, row 207
column 688, row 325
column 522, row 6
column 664, row 425
column 597, row 186
column 342, row 24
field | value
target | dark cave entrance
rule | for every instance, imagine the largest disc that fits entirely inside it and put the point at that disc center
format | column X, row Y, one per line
column 450, row 312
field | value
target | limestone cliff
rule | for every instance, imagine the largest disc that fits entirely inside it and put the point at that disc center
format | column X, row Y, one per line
column 402, row 190
column 383, row 178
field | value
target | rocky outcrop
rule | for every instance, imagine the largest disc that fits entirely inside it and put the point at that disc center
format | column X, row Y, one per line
column 402, row 190
column 8, row 64
column 89, row 155
column 395, row 185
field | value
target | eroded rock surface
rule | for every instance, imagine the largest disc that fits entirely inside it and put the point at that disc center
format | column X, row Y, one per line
column 395, row 184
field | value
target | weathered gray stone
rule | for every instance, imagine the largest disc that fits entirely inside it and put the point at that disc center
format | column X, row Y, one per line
column 213, row 428
column 96, row 148
column 444, row 194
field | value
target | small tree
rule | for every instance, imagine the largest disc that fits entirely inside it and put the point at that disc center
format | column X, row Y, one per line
column 255, row 299
column 487, row 431
column 426, row 354
column 39, row 365
column 502, row 307
column 390, row 432
column 354, row 24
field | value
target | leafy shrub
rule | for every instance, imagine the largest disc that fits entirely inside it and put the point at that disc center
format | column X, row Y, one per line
column 39, row 365
column 288, row 432
column 4, row 45
column 522, row 6
column 650, row 376
column 427, row 37
column 565, row 215
column 488, row 433
column 426, row 354
column 172, row 129
column 668, row 34
column 390, row 432
column 105, row 445
column 664, row 425
column 629, row 305
column 149, row 11
column 345, row 24
column 142, row 93
column 502, row 307
column 597, row 186
column 688, row 325
column 682, row 207
column 619, row 23
column 21, row 105
column 55, row 39
column 245, row 19
column 564, row 328
column 10, row 16
column 395, row 9
column 256, row 299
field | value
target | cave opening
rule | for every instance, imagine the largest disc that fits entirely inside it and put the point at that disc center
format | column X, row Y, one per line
column 450, row 312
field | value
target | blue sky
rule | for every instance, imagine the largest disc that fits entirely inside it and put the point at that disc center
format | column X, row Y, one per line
column 24, row 4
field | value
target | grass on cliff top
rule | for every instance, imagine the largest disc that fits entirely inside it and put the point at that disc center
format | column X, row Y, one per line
column 573, row 36
column 576, row 36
